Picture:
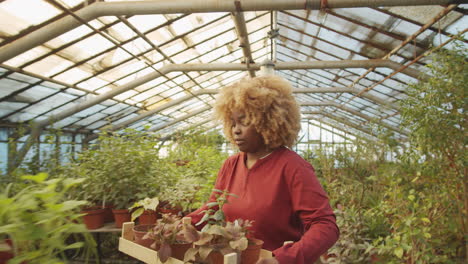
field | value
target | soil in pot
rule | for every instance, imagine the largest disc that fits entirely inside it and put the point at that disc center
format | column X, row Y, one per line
column 139, row 231
column 252, row 253
column 121, row 216
column 94, row 217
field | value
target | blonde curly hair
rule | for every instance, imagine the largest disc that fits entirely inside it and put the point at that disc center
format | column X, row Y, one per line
column 268, row 104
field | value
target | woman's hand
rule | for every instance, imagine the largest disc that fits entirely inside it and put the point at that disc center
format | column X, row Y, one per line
column 267, row 261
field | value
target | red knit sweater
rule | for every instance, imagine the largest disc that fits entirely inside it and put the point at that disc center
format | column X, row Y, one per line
column 286, row 201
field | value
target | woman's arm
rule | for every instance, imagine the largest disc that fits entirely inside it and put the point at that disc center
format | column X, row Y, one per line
column 310, row 203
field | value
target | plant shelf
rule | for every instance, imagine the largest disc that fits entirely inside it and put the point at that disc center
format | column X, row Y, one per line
column 149, row 256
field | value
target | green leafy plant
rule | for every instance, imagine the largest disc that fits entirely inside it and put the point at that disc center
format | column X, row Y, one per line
column 183, row 194
column 214, row 215
column 38, row 219
column 434, row 111
column 146, row 204
column 118, row 170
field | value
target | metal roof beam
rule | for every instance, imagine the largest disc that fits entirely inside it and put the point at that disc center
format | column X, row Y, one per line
column 170, row 123
column 343, row 130
column 244, row 43
column 343, row 121
column 99, row 9
column 356, row 113
column 347, row 90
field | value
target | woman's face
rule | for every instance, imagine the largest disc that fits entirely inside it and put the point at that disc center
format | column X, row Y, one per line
column 245, row 135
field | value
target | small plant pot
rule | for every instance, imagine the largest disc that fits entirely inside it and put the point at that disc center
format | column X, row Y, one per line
column 108, row 216
column 121, row 216
column 170, row 210
column 148, row 217
column 178, row 250
column 251, row 254
column 139, row 231
column 94, row 217
column 6, row 255
column 215, row 257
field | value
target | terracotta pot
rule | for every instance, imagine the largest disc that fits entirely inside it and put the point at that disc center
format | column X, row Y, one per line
column 215, row 257
column 94, row 217
column 252, row 253
column 139, row 231
column 148, row 217
column 108, row 216
column 6, row 255
column 168, row 211
column 121, row 216
column 178, row 250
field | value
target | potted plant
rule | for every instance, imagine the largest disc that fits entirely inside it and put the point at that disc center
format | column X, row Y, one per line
column 38, row 220
column 181, row 197
column 118, row 171
column 219, row 237
column 145, row 211
column 169, row 237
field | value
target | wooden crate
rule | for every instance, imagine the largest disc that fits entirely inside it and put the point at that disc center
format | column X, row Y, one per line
column 147, row 255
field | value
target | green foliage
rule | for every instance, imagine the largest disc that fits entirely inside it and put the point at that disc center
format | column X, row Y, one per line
column 119, row 170
column 214, row 215
column 143, row 205
column 38, row 219
column 192, row 164
column 414, row 209
column 434, row 110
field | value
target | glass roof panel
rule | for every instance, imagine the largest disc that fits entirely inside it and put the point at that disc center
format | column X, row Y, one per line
column 113, row 53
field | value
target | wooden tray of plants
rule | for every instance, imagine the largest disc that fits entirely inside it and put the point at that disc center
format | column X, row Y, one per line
column 150, row 256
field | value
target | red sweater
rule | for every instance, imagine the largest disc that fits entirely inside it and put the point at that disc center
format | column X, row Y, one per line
column 286, row 201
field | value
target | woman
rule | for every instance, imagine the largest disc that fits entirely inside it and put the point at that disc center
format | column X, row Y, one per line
column 276, row 188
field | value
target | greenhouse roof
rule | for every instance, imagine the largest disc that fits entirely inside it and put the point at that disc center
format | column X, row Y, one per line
column 87, row 65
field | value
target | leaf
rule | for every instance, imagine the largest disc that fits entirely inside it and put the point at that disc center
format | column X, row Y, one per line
column 190, row 255
column 74, row 245
column 217, row 230
column 219, row 216
column 190, row 233
column 69, row 205
column 240, row 244
column 204, row 252
column 39, row 178
column 398, row 252
column 164, row 252
column 137, row 213
column 425, row 219
column 204, row 219
column 211, row 204
column 205, row 238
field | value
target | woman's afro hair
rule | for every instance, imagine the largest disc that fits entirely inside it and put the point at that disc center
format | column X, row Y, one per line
column 268, row 105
